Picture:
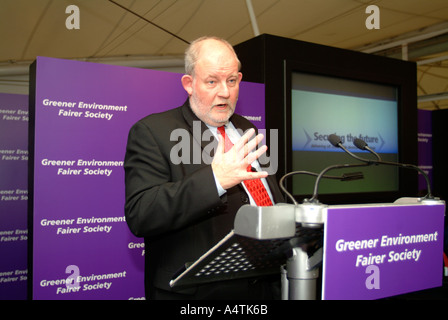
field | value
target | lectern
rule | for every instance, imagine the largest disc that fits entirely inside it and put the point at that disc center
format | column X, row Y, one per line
column 294, row 240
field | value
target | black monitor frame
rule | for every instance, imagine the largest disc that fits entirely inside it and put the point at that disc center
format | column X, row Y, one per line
column 272, row 60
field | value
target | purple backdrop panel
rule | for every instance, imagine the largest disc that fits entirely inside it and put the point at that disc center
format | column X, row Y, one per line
column 424, row 146
column 82, row 248
column 13, row 196
column 373, row 252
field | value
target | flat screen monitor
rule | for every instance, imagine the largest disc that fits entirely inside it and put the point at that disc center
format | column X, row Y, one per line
column 312, row 91
column 324, row 105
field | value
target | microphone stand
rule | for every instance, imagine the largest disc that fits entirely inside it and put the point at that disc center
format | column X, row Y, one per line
column 336, row 141
column 313, row 199
column 361, row 144
column 344, row 177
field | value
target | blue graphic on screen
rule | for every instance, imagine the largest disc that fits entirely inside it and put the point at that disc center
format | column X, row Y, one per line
column 321, row 106
column 316, row 115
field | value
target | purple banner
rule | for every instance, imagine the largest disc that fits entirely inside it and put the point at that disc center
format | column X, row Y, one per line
column 13, row 196
column 82, row 248
column 424, row 147
column 378, row 251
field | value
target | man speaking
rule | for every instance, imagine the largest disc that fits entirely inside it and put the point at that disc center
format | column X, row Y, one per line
column 183, row 208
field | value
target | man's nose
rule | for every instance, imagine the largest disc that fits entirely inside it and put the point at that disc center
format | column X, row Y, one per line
column 224, row 90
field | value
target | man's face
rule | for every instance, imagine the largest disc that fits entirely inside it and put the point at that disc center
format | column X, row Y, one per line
column 214, row 87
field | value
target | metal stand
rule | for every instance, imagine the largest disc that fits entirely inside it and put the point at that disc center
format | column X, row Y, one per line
column 262, row 239
column 299, row 276
column 302, row 276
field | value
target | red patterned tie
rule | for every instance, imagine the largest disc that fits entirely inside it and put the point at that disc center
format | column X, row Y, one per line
column 255, row 186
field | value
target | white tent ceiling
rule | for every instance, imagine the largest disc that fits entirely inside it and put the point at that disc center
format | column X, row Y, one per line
column 111, row 34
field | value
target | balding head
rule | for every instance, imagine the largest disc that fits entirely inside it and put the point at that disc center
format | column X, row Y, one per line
column 193, row 52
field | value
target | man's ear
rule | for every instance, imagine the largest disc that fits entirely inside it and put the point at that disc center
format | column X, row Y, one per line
column 187, row 83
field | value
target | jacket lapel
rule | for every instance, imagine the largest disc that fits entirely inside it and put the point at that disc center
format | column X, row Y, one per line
column 200, row 133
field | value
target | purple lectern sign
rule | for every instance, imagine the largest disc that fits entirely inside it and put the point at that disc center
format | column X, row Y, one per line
column 81, row 245
column 377, row 251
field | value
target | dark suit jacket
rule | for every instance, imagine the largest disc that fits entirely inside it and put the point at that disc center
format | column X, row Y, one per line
column 176, row 207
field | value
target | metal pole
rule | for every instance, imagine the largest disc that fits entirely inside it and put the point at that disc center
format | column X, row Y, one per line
column 284, row 283
column 253, row 18
column 302, row 278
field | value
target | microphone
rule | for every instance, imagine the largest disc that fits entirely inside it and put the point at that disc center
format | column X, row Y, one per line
column 345, row 177
column 363, row 146
column 336, row 141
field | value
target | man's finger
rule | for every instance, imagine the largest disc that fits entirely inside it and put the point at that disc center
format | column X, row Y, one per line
column 252, row 156
column 256, row 175
column 241, row 143
column 252, row 144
